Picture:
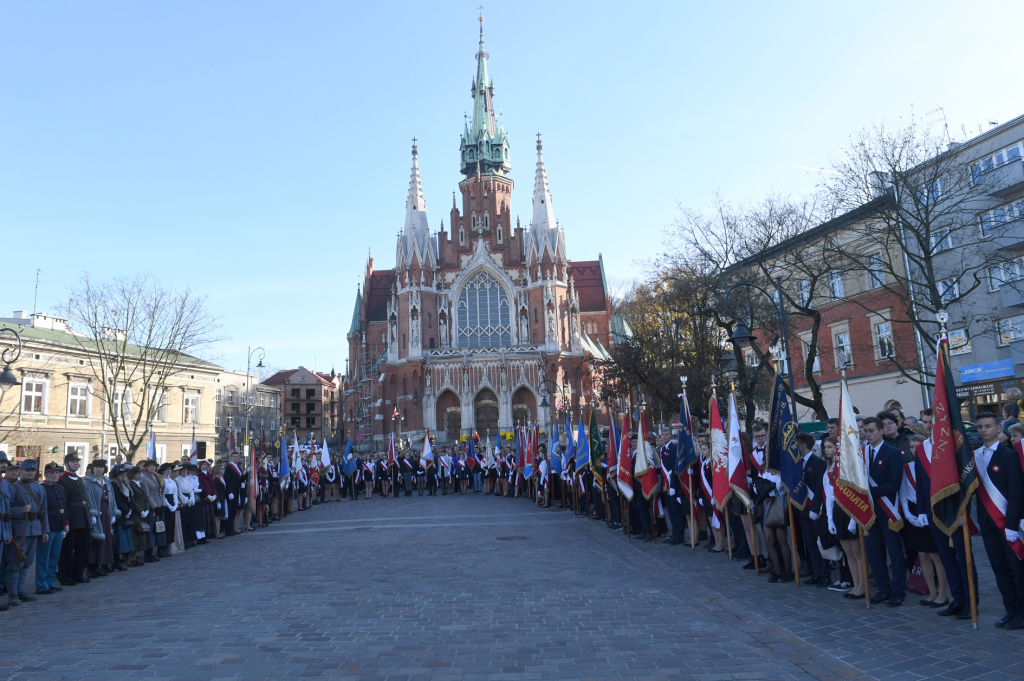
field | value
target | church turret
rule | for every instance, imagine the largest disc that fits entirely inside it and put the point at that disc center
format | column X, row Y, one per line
column 546, row 236
column 484, row 148
column 415, row 245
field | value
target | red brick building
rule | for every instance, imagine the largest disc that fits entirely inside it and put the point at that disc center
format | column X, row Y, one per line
column 309, row 403
column 478, row 320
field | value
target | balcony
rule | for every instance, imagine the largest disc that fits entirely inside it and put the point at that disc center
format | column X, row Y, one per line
column 1005, row 180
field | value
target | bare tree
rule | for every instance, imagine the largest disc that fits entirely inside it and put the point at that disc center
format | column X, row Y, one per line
column 925, row 242
column 138, row 335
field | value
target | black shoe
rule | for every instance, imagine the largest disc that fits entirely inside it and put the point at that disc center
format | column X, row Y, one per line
column 26, row 597
column 896, row 601
column 68, row 583
column 881, row 598
column 3, row 607
column 150, row 559
column 46, row 592
column 749, row 565
column 1002, row 623
column 964, row 614
column 1013, row 625
column 852, row 597
column 937, row 604
column 786, row 578
column 675, row 541
column 810, row 581
column 83, row 580
column 951, row 609
column 772, row 578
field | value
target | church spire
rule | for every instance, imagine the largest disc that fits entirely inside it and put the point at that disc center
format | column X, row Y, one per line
column 483, row 140
column 415, row 205
column 543, row 212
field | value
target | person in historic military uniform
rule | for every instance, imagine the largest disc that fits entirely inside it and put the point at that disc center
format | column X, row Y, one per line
column 74, row 553
column 47, row 554
column 29, row 526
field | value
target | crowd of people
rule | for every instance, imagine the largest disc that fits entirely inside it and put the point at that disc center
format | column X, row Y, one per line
column 74, row 527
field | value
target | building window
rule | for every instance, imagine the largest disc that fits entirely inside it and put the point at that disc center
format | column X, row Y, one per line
column 781, row 361
column 993, row 219
column 78, row 400
column 876, row 275
column 191, row 409
column 883, row 340
column 310, row 393
column 263, row 399
column 804, row 288
column 295, row 407
column 273, row 425
column 216, row 395
column 430, row 321
column 486, row 221
column 273, row 401
column 1000, row 158
column 160, row 407
column 844, row 355
column 816, row 368
column 931, row 193
column 462, row 235
column 949, row 290
column 295, row 393
column 1011, row 329
column 484, row 317
column 311, row 422
column 216, row 419
column 32, row 397
column 231, row 420
column 431, row 343
column 231, row 397
column 959, row 342
column 500, row 237
column 750, row 357
column 941, row 240
column 310, row 407
column 835, row 284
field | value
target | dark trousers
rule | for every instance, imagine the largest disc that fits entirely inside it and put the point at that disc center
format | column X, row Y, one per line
column 614, row 503
column 1008, row 569
column 74, row 554
column 879, row 541
column 811, row 545
column 674, row 509
column 232, row 511
column 641, row 510
column 954, row 562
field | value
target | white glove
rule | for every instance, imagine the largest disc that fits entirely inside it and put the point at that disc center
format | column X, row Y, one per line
column 832, row 527
column 923, row 519
column 671, row 492
column 852, row 526
column 814, row 516
column 145, row 513
column 211, row 497
column 1011, row 535
column 231, row 496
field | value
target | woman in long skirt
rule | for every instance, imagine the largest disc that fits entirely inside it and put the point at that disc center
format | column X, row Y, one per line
column 207, row 499
column 124, row 523
column 186, row 490
column 142, row 529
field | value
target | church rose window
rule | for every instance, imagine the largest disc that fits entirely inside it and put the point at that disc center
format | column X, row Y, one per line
column 484, row 317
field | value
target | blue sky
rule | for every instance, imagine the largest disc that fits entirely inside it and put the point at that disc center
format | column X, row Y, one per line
column 256, row 150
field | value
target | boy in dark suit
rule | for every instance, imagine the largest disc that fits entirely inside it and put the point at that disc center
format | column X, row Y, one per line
column 885, row 470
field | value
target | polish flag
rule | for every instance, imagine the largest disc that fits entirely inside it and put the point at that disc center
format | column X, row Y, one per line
column 719, row 457
column 624, row 476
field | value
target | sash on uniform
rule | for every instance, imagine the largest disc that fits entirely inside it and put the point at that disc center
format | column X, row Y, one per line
column 996, row 504
column 889, row 508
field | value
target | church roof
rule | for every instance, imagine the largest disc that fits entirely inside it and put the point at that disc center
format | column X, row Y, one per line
column 415, row 242
column 378, row 291
column 357, row 310
column 590, row 285
column 484, row 147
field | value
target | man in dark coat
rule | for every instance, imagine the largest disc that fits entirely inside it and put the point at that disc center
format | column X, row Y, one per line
column 885, row 468
column 233, row 483
column 74, row 552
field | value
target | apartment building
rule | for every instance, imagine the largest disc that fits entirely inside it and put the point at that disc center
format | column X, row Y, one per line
column 309, row 403
column 237, row 395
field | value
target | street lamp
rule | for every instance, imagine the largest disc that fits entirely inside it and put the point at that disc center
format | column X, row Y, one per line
column 9, row 356
column 250, row 391
column 741, row 334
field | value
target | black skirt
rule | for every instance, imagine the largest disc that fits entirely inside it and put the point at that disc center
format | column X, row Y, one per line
column 842, row 523
column 917, row 539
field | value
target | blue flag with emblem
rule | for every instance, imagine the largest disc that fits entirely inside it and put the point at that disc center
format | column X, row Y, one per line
column 582, row 447
column 348, row 459
column 783, row 454
column 554, row 443
column 686, row 449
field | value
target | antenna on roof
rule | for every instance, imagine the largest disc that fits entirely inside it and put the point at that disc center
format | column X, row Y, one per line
column 945, row 124
column 35, row 299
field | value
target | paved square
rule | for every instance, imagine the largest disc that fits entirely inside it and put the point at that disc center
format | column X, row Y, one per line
column 472, row 587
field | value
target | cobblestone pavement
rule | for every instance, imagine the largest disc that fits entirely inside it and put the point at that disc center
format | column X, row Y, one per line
column 472, row 587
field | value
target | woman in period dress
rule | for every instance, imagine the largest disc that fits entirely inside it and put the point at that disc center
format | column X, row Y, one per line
column 101, row 502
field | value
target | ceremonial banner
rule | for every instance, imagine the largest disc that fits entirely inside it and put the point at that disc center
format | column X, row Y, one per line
column 851, row 486
column 596, row 450
column 783, row 456
column 954, row 478
column 686, row 448
column 624, row 476
column 720, row 489
column 569, row 453
column 650, row 479
column 737, row 467
column 554, row 444
column 582, row 447
column 348, row 460
column 427, row 456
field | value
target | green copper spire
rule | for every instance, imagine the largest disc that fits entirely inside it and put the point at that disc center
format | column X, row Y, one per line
column 484, row 140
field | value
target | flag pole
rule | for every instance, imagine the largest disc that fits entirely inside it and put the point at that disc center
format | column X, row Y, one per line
column 693, row 521
column 792, row 533
column 970, row 571
column 864, row 566
column 728, row 531
column 753, row 536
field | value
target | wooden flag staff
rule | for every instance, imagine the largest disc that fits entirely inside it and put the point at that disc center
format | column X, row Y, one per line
column 970, row 571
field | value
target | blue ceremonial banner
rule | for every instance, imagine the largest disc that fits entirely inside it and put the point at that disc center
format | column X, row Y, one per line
column 516, row 447
column 554, row 443
column 285, row 469
column 686, row 449
column 348, row 460
column 569, row 453
column 582, row 447
column 783, row 453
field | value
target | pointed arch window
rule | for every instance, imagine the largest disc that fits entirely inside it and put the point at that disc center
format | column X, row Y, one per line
column 484, row 317
column 486, row 220
column 500, row 236
column 462, row 235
